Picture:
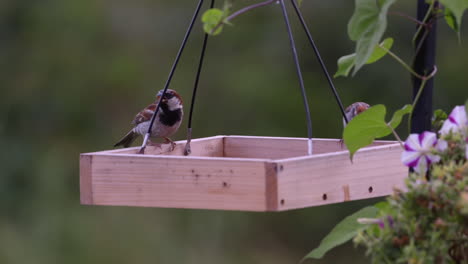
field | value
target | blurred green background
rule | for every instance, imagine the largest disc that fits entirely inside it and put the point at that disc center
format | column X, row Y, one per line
column 74, row 73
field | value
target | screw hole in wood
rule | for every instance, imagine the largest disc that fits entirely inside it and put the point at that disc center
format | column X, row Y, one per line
column 282, row 201
column 324, row 196
column 371, row 189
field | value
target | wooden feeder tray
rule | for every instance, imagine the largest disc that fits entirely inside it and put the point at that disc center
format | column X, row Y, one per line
column 241, row 173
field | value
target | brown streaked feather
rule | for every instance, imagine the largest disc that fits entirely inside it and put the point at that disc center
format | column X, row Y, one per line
column 145, row 115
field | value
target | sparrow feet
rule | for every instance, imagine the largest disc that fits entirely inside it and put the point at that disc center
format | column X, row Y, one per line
column 168, row 140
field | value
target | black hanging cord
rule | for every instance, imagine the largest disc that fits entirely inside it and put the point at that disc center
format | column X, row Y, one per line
column 174, row 66
column 319, row 58
column 299, row 75
column 195, row 88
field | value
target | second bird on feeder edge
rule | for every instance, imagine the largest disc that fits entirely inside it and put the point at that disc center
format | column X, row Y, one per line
column 354, row 110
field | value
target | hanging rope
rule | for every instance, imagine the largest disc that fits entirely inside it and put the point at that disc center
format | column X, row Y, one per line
column 299, row 75
column 188, row 150
column 171, row 74
column 319, row 58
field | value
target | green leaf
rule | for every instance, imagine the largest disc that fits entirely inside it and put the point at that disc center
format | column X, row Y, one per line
column 213, row 21
column 367, row 26
column 382, row 206
column 438, row 119
column 457, row 8
column 380, row 50
column 451, row 20
column 364, row 128
column 346, row 63
column 398, row 115
column 466, row 107
column 342, row 232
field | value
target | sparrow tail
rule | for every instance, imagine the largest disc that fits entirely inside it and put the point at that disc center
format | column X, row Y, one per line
column 127, row 140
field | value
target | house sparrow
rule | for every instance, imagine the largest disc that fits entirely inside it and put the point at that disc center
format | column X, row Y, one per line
column 166, row 123
column 354, row 110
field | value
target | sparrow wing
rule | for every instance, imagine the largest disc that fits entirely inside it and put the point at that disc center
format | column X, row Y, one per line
column 144, row 115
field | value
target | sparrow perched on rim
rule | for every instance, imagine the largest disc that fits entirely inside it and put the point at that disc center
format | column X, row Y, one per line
column 354, row 110
column 166, row 123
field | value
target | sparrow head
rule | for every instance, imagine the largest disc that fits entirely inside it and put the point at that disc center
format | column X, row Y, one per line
column 354, row 110
column 171, row 98
column 361, row 107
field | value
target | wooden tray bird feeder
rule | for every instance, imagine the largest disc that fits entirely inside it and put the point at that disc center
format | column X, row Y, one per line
column 241, row 172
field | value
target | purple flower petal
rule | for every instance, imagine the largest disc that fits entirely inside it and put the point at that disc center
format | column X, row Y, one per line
column 428, row 140
column 412, row 143
column 381, row 224
column 390, row 221
column 410, row 158
column 421, row 167
column 456, row 122
column 442, row 145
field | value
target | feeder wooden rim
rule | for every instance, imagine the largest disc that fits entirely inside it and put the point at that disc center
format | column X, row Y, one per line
column 241, row 173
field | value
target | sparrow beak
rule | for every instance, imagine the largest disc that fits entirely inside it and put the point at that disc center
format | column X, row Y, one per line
column 164, row 100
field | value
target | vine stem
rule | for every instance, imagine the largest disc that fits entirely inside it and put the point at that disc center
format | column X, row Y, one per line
column 247, row 8
column 406, row 66
column 418, row 95
column 396, row 136
column 242, row 11
column 410, row 18
column 424, row 22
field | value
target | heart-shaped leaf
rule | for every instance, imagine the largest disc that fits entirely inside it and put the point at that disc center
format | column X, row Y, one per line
column 456, row 8
column 367, row 26
column 213, row 21
column 363, row 129
column 342, row 232
column 346, row 63
column 398, row 115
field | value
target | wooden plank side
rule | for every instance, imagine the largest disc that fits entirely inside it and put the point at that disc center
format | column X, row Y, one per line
column 179, row 182
column 203, row 147
column 332, row 178
column 280, row 147
column 86, row 187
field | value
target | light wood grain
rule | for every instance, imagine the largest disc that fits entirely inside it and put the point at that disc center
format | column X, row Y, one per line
column 280, row 147
column 332, row 178
column 241, row 173
column 179, row 182
column 202, row 147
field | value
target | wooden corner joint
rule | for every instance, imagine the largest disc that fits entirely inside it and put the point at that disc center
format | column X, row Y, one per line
column 271, row 186
column 86, row 184
column 347, row 196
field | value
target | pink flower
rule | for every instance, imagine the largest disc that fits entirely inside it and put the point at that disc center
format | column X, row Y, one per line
column 418, row 151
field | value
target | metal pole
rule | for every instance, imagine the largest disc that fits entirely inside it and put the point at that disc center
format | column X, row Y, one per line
column 171, row 74
column 188, row 149
column 320, row 60
column 424, row 64
column 299, row 75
